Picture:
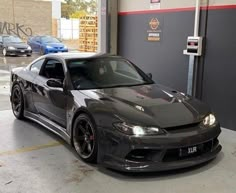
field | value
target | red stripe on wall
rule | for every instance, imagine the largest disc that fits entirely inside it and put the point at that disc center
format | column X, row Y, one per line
column 215, row 7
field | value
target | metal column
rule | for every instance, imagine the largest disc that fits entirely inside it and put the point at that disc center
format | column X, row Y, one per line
column 107, row 25
column 191, row 89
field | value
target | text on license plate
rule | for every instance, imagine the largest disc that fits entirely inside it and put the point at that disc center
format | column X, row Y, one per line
column 192, row 150
column 188, row 151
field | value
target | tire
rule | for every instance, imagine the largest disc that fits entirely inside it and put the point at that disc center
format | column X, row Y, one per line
column 17, row 102
column 4, row 52
column 28, row 55
column 85, row 138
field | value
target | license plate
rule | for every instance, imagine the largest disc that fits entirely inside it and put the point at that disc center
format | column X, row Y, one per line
column 22, row 50
column 188, row 151
column 192, row 150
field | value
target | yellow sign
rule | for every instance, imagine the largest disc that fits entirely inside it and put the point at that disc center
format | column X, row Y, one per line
column 154, row 31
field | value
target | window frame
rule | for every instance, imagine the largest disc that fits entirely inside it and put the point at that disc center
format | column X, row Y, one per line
column 45, row 63
column 35, row 63
column 145, row 77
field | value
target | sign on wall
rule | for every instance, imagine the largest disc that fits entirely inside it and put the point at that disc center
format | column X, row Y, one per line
column 154, row 31
column 155, row 4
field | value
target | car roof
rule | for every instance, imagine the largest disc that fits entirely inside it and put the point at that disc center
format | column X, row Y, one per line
column 78, row 55
column 41, row 36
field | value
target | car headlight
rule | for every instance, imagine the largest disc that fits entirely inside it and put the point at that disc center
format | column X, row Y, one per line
column 11, row 48
column 209, row 120
column 137, row 130
column 49, row 47
column 65, row 47
column 28, row 48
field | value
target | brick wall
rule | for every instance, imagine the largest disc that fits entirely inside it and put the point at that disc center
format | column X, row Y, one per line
column 26, row 17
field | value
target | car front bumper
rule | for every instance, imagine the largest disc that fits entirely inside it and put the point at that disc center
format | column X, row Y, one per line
column 55, row 50
column 158, row 153
column 19, row 52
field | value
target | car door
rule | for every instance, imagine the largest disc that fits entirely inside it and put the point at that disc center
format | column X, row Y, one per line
column 31, row 43
column 31, row 73
column 37, row 44
column 50, row 102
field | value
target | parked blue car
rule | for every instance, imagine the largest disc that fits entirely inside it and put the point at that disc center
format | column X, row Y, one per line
column 46, row 45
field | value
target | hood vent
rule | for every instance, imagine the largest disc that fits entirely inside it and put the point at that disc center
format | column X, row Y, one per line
column 182, row 128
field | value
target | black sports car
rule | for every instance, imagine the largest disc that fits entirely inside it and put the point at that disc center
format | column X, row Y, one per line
column 113, row 113
column 13, row 45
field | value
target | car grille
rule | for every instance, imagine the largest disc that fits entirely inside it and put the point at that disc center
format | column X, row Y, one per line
column 182, row 128
column 174, row 154
column 21, row 48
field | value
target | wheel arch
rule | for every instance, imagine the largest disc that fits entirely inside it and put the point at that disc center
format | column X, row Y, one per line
column 80, row 111
column 14, row 81
column 21, row 113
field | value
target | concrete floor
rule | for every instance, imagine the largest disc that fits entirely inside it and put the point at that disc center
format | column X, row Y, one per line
column 33, row 160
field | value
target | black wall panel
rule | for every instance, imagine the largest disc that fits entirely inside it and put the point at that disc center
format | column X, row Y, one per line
column 164, row 59
column 219, row 80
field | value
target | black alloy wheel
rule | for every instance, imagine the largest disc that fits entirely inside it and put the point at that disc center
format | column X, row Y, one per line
column 17, row 102
column 85, row 138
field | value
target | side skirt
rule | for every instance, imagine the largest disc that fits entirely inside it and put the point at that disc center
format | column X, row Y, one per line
column 48, row 124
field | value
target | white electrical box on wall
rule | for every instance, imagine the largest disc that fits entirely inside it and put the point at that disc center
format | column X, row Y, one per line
column 194, row 46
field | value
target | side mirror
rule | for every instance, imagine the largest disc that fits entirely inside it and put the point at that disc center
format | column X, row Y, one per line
column 149, row 75
column 54, row 83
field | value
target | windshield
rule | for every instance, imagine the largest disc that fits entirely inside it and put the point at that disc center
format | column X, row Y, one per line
column 49, row 39
column 12, row 39
column 105, row 73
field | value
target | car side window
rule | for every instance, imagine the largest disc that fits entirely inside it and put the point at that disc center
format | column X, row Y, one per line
column 0, row 38
column 36, row 67
column 53, row 69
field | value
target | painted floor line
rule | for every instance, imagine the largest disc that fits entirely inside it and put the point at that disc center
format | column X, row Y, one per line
column 32, row 148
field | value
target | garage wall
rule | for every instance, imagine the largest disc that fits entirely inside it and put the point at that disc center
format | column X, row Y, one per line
column 165, row 58
column 25, row 17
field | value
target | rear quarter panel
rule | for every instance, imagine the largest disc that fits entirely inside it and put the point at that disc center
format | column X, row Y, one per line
column 24, row 78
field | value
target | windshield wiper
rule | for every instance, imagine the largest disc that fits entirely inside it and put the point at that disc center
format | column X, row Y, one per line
column 125, row 85
column 114, row 86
